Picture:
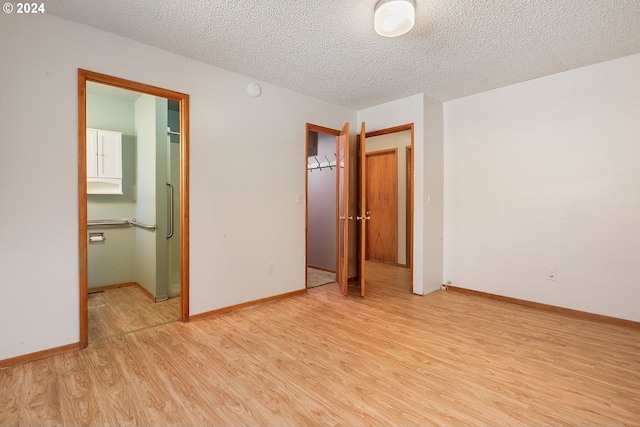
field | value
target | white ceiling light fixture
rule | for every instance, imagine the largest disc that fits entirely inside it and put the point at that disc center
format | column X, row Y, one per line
column 394, row 18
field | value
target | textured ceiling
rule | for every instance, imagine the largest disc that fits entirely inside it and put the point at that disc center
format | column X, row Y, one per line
column 328, row 49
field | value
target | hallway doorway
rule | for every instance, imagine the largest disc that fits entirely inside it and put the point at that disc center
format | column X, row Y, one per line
column 388, row 164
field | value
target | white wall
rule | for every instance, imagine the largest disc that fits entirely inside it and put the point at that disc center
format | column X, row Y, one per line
column 424, row 113
column 247, row 165
column 546, row 175
column 162, row 199
column 145, row 212
column 432, row 168
column 112, row 262
column 109, row 113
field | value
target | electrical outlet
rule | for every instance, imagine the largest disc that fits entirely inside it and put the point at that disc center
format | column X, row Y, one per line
column 551, row 274
column 270, row 268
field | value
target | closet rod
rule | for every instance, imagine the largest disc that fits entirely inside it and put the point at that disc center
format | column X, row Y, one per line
column 328, row 164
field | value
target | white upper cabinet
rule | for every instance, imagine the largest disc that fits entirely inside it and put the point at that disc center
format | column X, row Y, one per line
column 104, row 162
column 92, row 153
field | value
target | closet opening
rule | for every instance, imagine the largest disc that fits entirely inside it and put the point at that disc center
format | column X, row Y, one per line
column 321, row 206
column 379, row 222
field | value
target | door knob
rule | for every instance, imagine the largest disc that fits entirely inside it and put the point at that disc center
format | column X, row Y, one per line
column 346, row 218
column 367, row 216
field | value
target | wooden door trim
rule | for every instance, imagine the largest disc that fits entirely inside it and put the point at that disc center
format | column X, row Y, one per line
column 310, row 127
column 344, row 273
column 400, row 128
column 362, row 201
column 382, row 152
column 322, row 129
column 409, row 203
column 85, row 76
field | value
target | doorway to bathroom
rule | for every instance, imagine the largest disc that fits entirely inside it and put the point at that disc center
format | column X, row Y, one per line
column 133, row 210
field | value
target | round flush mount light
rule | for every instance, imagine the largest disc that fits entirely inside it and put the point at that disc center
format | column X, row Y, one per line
column 254, row 89
column 394, row 18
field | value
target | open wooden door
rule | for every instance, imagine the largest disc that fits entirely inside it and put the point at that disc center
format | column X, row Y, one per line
column 364, row 214
column 343, row 209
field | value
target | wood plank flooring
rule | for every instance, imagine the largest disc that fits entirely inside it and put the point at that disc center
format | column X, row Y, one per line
column 120, row 310
column 321, row 359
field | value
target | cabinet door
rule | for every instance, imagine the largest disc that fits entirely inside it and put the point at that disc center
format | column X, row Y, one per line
column 92, row 153
column 109, row 154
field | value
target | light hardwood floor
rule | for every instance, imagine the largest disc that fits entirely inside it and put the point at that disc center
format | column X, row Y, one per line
column 121, row 310
column 320, row 359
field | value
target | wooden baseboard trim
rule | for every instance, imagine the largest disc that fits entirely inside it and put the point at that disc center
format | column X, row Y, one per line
column 31, row 357
column 585, row 315
column 122, row 285
column 322, row 268
column 213, row 313
column 107, row 287
column 402, row 265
